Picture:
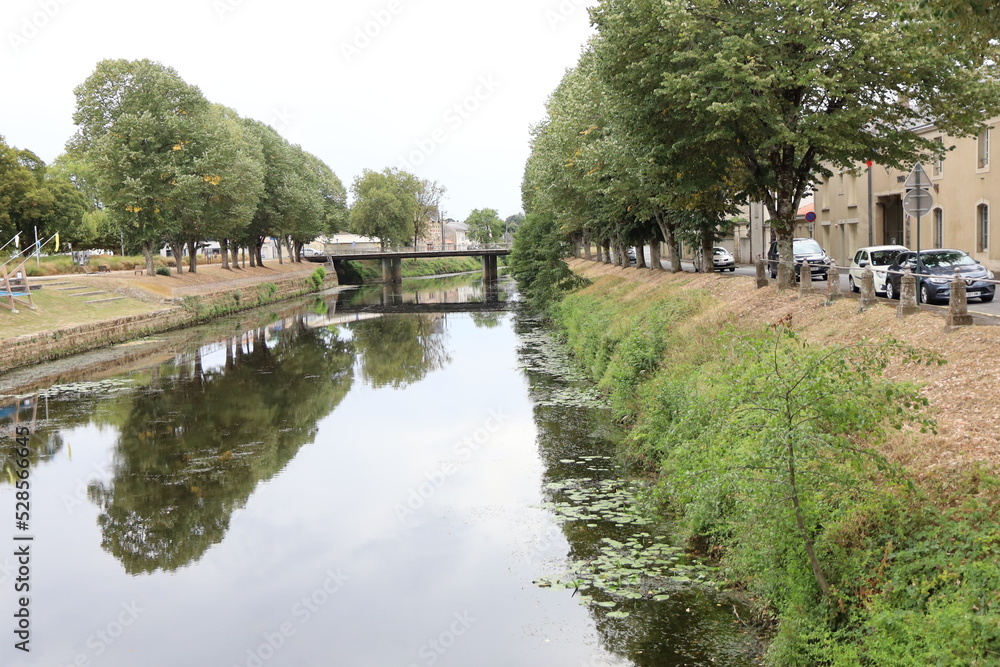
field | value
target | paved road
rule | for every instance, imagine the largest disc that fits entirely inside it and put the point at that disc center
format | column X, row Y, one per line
column 975, row 306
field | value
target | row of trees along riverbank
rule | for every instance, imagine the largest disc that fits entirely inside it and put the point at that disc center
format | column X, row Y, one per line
column 680, row 111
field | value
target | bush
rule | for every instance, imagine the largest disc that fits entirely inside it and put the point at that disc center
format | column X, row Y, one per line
column 317, row 277
column 163, row 271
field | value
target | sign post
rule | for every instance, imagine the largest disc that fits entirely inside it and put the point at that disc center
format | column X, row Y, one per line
column 918, row 202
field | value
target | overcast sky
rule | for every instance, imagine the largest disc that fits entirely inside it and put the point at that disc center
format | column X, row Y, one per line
column 446, row 89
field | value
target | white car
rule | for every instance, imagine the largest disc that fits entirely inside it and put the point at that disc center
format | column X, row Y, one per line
column 878, row 258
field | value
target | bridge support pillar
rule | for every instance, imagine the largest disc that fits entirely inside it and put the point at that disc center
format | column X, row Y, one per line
column 392, row 270
column 489, row 268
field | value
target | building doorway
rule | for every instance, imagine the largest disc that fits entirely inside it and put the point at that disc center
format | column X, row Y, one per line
column 892, row 220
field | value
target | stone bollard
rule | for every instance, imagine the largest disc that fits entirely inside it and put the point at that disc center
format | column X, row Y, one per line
column 868, row 297
column 761, row 273
column 908, row 295
column 833, row 284
column 805, row 279
column 958, row 304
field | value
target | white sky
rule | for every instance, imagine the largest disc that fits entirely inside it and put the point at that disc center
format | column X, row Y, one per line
column 301, row 67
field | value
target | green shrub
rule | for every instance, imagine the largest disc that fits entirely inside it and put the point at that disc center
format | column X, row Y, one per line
column 163, row 270
column 317, row 277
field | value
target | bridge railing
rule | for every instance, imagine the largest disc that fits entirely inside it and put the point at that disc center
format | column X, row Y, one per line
column 428, row 247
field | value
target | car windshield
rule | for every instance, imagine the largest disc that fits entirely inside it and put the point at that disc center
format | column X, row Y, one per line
column 884, row 257
column 806, row 247
column 719, row 251
column 947, row 258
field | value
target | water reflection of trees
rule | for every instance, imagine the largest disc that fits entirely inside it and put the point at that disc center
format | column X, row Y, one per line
column 195, row 444
column 398, row 350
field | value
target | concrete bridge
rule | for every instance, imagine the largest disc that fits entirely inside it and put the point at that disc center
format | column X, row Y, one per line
column 392, row 271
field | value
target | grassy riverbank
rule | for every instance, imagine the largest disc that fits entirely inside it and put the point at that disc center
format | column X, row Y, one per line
column 781, row 448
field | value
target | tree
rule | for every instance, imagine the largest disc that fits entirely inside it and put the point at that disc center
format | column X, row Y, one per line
column 385, row 205
column 485, row 226
column 789, row 86
column 536, row 261
column 429, row 197
column 135, row 120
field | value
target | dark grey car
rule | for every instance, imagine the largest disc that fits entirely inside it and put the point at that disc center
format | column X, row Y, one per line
column 936, row 271
column 804, row 250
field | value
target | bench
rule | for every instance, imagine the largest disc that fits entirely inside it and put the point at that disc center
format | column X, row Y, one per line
column 140, row 271
column 104, row 268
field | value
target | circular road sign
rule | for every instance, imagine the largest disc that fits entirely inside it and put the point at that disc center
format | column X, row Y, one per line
column 810, row 217
column 918, row 202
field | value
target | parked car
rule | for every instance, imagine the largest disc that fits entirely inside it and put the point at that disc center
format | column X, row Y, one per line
column 310, row 252
column 878, row 258
column 941, row 263
column 631, row 254
column 803, row 250
column 722, row 260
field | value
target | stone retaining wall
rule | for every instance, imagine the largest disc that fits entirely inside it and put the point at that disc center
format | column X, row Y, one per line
column 48, row 345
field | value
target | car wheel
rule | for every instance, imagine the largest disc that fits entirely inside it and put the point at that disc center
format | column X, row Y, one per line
column 987, row 298
column 890, row 291
column 925, row 295
column 850, row 282
column 733, row 269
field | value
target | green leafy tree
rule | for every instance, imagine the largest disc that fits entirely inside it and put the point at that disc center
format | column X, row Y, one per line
column 385, row 205
column 786, row 87
column 536, row 261
column 136, row 122
column 485, row 226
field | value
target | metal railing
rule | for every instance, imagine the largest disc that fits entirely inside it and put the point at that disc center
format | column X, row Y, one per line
column 430, row 247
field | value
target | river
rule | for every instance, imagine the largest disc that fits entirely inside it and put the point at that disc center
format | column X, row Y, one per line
column 335, row 483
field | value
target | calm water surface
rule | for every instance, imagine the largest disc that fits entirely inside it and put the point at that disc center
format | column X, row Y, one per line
column 329, row 485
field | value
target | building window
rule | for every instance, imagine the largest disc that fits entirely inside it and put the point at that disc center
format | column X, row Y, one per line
column 851, row 190
column 938, row 228
column 939, row 161
column 825, row 189
column 984, row 149
column 983, row 223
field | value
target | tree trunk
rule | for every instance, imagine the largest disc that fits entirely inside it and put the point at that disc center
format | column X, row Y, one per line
column 193, row 256
column 707, row 244
column 801, row 523
column 147, row 252
column 607, row 251
column 257, row 250
column 670, row 238
column 291, row 252
column 224, row 248
column 177, row 250
column 253, row 257
column 277, row 245
column 640, row 257
column 586, row 247
column 654, row 254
